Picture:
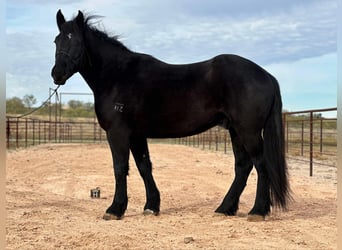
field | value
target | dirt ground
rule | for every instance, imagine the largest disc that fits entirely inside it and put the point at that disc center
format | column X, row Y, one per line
column 49, row 204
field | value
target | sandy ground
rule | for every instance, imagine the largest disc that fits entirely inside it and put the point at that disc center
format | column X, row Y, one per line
column 49, row 206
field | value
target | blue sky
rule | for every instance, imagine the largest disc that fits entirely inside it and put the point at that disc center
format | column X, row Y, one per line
column 295, row 40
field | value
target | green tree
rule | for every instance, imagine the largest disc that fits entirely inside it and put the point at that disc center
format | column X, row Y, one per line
column 78, row 109
column 89, row 106
column 74, row 104
column 29, row 101
column 15, row 105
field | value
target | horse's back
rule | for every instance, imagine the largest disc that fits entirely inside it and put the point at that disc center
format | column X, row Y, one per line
column 164, row 100
column 247, row 90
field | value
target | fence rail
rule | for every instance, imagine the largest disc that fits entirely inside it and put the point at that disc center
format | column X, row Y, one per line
column 24, row 132
column 308, row 135
column 311, row 137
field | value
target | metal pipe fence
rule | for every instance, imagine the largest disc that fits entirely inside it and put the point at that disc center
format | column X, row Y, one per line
column 309, row 136
column 25, row 132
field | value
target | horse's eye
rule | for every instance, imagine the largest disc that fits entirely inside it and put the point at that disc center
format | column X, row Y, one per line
column 69, row 35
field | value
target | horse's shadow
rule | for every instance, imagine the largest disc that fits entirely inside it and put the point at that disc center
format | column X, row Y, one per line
column 301, row 208
column 308, row 208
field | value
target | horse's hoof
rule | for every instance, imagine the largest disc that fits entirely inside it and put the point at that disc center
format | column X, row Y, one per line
column 255, row 217
column 150, row 212
column 219, row 214
column 108, row 216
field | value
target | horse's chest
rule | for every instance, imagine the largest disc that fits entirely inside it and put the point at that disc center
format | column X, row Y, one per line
column 111, row 113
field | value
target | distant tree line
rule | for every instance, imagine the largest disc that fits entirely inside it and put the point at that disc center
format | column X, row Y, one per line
column 74, row 108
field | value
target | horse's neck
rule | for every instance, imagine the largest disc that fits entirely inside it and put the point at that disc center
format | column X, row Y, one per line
column 103, row 57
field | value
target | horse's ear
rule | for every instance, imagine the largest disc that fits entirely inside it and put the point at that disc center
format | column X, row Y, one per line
column 60, row 19
column 80, row 19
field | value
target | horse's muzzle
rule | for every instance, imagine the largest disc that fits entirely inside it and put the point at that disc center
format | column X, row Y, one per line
column 59, row 77
column 59, row 81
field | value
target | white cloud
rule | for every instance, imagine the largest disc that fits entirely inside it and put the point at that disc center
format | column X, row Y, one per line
column 178, row 34
column 268, row 32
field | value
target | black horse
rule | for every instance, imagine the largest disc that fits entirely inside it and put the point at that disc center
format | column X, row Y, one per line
column 138, row 96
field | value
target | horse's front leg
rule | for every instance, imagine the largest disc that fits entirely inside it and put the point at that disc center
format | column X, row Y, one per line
column 119, row 145
column 141, row 156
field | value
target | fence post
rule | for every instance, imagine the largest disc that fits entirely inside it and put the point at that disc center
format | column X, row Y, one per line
column 44, row 131
column 17, row 134
column 225, row 142
column 209, row 139
column 286, row 128
column 62, row 132
column 8, row 132
column 33, row 132
column 302, row 139
column 26, row 132
column 311, row 142
column 38, row 132
column 94, row 131
column 100, row 130
column 216, row 141
column 70, row 133
column 81, row 130
column 321, row 137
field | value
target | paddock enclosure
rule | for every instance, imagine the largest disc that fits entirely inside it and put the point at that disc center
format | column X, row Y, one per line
column 310, row 137
column 49, row 204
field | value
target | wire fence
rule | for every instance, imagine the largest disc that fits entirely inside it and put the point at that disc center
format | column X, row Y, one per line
column 309, row 136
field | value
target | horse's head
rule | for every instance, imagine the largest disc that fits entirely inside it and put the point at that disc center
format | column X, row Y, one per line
column 70, row 48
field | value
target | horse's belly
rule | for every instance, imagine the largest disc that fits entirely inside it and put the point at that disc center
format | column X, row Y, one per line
column 182, row 127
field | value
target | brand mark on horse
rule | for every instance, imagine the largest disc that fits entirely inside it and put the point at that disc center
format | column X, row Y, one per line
column 118, row 107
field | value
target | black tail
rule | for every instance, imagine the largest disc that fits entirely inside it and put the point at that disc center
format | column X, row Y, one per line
column 274, row 153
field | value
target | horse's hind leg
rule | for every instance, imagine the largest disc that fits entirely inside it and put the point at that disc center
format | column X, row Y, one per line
column 141, row 156
column 262, row 204
column 243, row 167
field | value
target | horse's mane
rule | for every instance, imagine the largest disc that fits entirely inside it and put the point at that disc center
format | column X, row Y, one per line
column 90, row 22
